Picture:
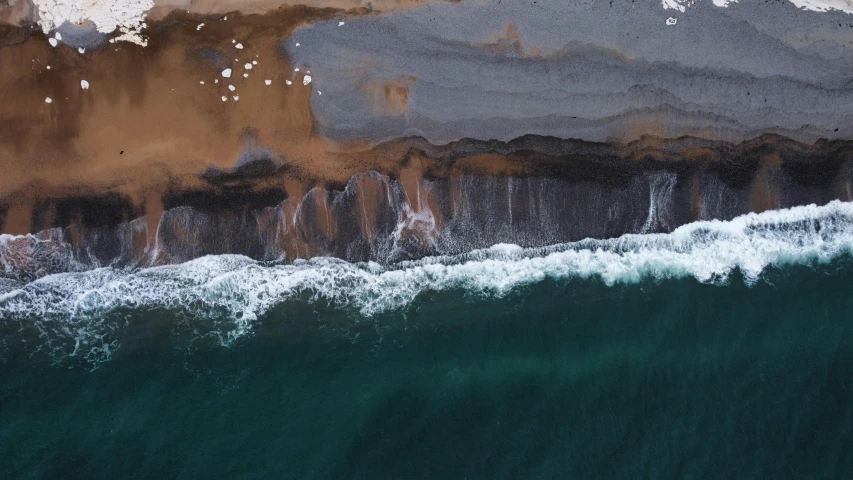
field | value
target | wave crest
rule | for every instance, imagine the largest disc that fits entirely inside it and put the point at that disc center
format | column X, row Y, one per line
column 239, row 290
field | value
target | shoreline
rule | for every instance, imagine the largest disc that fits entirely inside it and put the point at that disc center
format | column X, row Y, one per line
column 238, row 163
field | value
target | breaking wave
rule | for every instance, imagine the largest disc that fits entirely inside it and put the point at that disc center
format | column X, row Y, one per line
column 238, row 290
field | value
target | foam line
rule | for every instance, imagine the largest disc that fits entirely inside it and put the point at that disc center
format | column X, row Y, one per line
column 241, row 289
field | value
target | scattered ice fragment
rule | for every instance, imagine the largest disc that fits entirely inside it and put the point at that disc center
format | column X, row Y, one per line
column 225, row 17
column 57, row 36
column 308, row 71
column 306, row 79
column 201, row 82
column 254, row 62
column 52, row 42
column 297, row 44
column 671, row 21
column 268, row 82
column 48, row 100
column 319, row 92
column 245, row 75
column 216, row 80
column 296, row 69
column 247, row 66
column 199, row 26
column 239, row 46
column 84, row 84
column 674, row 4
column 232, row 87
column 224, row 98
column 81, row 50
column 288, row 82
column 341, row 24
column 236, row 97
column 48, row 67
column 226, row 73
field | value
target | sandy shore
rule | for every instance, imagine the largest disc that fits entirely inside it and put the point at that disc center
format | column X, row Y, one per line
column 89, row 118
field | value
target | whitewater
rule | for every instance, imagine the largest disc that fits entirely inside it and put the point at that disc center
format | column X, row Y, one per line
column 241, row 290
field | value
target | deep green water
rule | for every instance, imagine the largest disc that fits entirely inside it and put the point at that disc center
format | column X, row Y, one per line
column 560, row 379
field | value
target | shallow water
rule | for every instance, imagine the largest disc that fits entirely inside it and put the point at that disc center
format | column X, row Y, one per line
column 670, row 374
column 559, row 379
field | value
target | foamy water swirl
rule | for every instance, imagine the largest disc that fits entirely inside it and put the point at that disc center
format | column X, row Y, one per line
column 240, row 289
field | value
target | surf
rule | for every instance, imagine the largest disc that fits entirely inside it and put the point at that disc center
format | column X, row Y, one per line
column 243, row 289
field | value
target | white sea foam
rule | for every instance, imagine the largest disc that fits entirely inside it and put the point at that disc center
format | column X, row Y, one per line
column 240, row 290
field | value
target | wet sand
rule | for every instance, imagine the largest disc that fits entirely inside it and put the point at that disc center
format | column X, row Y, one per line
column 147, row 136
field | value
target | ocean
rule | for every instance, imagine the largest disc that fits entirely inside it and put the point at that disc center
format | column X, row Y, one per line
column 719, row 350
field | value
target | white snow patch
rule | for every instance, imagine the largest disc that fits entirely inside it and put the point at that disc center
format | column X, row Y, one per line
column 254, row 62
column 247, row 66
column 239, row 46
column 226, row 73
column 48, row 100
column 128, row 16
column 232, row 87
column 236, row 97
column 199, row 26
column 297, row 44
column 288, row 82
column 52, row 42
column 84, row 84
column 81, row 50
column 128, row 35
column 679, row 5
column 671, row 21
column 268, row 82
column 201, row 82
column 245, row 75
column 306, row 79
column 224, row 98
column 341, row 24
column 845, row 6
column 812, row 5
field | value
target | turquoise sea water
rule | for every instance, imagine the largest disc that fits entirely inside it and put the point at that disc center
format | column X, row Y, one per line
column 720, row 350
column 566, row 378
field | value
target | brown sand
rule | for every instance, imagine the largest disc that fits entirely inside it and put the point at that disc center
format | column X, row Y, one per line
column 390, row 97
column 147, row 127
column 146, row 120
